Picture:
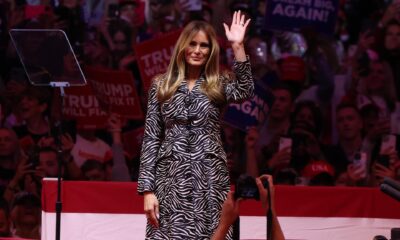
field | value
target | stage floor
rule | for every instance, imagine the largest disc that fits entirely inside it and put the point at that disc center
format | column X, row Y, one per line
column 85, row 226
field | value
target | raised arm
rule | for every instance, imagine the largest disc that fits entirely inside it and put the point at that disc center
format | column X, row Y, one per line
column 242, row 86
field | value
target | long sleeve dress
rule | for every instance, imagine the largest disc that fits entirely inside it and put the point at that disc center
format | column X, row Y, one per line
column 182, row 157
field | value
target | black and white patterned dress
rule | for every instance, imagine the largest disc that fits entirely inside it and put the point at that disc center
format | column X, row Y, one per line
column 182, row 158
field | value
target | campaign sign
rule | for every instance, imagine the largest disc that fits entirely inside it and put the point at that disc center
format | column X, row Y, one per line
column 81, row 104
column 116, row 91
column 293, row 15
column 153, row 56
column 250, row 112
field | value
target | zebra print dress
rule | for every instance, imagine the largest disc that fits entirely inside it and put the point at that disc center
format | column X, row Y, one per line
column 182, row 158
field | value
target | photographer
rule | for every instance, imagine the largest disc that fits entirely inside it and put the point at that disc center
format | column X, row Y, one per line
column 230, row 210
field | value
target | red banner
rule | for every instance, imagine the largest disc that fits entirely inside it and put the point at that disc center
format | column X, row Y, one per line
column 116, row 91
column 154, row 56
column 81, row 104
column 133, row 142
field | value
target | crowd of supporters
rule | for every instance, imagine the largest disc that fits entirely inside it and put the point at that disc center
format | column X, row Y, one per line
column 334, row 119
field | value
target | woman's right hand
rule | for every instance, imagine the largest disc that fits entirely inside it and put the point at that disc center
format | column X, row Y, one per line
column 151, row 208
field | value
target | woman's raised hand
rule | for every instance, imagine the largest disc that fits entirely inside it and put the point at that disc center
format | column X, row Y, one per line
column 235, row 33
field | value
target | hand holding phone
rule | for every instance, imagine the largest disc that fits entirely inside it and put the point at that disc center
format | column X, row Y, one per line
column 388, row 143
column 383, row 160
column 358, row 169
column 285, row 142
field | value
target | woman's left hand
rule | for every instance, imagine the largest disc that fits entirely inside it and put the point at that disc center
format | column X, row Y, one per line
column 235, row 33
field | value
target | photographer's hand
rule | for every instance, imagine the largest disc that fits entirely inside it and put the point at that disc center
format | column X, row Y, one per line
column 277, row 233
column 264, row 192
column 229, row 213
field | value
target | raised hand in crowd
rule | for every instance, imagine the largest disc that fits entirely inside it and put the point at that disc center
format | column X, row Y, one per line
column 103, row 29
column 392, row 12
column 230, row 210
column 380, row 128
column 120, row 170
column 380, row 170
column 115, row 127
column 72, row 169
column 19, row 182
column 356, row 174
column 251, row 137
column 251, row 162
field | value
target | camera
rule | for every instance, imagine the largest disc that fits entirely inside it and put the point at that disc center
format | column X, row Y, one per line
column 246, row 188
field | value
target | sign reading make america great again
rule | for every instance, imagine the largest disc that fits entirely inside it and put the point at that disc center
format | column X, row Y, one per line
column 153, row 56
column 252, row 111
column 293, row 15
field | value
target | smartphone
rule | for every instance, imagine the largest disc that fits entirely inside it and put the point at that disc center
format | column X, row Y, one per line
column 384, row 160
column 285, row 142
column 33, row 157
column 360, row 162
column 388, row 141
column 113, row 10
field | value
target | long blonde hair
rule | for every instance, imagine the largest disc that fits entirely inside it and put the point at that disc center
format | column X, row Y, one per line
column 175, row 73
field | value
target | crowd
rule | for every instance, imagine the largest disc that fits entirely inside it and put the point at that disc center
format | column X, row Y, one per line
column 334, row 119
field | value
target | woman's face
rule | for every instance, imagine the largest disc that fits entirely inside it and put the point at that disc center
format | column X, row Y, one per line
column 8, row 143
column 120, row 42
column 375, row 81
column 305, row 115
column 30, row 107
column 198, row 51
column 392, row 37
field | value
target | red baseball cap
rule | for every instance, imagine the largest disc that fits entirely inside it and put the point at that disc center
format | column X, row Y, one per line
column 317, row 167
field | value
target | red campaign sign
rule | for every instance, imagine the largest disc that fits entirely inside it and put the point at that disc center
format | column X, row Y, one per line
column 133, row 142
column 154, row 55
column 81, row 104
column 116, row 91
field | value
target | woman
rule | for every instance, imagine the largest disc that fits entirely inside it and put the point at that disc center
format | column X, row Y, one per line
column 183, row 172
